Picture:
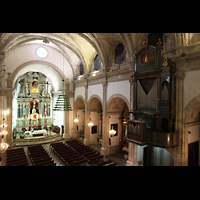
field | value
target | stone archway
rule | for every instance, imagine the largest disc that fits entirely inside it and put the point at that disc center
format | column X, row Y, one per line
column 94, row 133
column 117, row 109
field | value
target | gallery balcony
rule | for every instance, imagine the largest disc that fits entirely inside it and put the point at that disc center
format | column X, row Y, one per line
column 138, row 133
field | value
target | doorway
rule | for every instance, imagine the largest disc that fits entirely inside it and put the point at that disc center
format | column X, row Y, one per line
column 193, row 154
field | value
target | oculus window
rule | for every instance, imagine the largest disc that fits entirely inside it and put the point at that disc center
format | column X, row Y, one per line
column 41, row 52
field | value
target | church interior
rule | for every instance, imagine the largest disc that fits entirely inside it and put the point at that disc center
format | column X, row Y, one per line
column 99, row 99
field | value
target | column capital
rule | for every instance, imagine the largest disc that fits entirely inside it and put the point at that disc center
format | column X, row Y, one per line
column 180, row 75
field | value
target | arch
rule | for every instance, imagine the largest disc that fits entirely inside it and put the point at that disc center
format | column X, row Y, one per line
column 16, row 72
column 119, row 96
column 92, row 98
column 79, row 98
column 192, row 110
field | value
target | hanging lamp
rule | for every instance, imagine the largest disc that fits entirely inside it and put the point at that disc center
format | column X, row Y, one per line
column 112, row 132
column 62, row 103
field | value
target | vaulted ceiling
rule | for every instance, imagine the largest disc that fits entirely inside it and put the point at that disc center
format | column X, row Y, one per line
column 85, row 46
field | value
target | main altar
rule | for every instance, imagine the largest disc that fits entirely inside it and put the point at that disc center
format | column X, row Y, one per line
column 33, row 102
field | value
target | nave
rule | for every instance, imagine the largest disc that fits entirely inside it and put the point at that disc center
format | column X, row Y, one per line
column 59, row 153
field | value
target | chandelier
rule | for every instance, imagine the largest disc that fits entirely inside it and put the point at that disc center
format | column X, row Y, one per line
column 112, row 132
column 62, row 103
column 90, row 123
column 76, row 120
column 3, row 145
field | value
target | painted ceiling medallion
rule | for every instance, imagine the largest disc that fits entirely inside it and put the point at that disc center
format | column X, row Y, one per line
column 146, row 58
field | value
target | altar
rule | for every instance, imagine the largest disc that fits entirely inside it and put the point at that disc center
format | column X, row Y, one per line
column 38, row 133
column 33, row 102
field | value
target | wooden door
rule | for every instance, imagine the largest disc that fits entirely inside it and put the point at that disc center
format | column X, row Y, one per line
column 193, row 154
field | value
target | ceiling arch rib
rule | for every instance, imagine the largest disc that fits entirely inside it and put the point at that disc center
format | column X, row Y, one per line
column 58, row 42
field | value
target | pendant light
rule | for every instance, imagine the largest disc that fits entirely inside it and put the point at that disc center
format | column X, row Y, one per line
column 62, row 103
column 112, row 132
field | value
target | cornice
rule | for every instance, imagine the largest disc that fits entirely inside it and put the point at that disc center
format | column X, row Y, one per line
column 118, row 75
column 7, row 92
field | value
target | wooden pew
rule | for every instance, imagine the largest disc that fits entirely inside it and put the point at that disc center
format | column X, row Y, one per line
column 103, row 163
column 111, row 164
column 16, row 157
column 78, row 162
column 39, row 156
column 95, row 157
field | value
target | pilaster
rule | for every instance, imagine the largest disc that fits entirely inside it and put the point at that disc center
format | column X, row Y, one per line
column 132, row 154
column 105, row 124
column 181, row 149
column 86, row 140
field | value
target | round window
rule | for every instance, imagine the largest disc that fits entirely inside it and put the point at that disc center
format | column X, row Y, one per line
column 41, row 52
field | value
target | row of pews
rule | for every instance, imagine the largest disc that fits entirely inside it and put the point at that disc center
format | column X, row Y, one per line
column 68, row 155
column 39, row 156
column 74, row 153
column 16, row 157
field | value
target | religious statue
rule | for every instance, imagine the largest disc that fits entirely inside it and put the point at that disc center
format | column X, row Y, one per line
column 146, row 59
column 34, row 106
column 27, row 89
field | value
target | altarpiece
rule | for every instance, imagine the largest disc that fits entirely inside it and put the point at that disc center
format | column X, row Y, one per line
column 33, row 102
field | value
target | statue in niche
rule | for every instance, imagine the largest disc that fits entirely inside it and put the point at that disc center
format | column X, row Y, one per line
column 27, row 89
column 43, row 91
column 34, row 106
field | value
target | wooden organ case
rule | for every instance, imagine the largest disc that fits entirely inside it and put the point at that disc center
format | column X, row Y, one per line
column 153, row 115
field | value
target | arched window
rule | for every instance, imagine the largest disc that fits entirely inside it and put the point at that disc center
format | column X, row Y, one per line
column 81, row 69
column 97, row 62
column 119, row 53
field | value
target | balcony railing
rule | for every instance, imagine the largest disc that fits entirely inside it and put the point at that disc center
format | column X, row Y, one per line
column 137, row 133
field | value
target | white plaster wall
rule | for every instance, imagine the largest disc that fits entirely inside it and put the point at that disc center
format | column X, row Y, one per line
column 79, row 91
column 81, row 118
column 191, row 86
column 71, row 117
column 95, row 90
column 95, row 120
column 120, row 87
column 194, row 136
column 27, row 53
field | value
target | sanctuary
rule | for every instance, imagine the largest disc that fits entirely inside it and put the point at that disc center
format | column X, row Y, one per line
column 33, row 101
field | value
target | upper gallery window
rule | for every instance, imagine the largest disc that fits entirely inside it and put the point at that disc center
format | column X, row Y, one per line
column 119, row 53
column 41, row 52
column 97, row 62
column 81, row 69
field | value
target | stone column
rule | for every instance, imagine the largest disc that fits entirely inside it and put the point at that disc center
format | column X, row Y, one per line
column 183, row 144
column 132, row 97
column 86, row 140
column 75, row 124
column 66, row 125
column 105, row 124
column 132, row 154
column 9, row 97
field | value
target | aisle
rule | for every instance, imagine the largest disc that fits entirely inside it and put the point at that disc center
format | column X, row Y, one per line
column 55, row 158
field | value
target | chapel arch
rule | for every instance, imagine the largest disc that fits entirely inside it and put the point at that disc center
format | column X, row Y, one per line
column 118, row 109
column 95, row 110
